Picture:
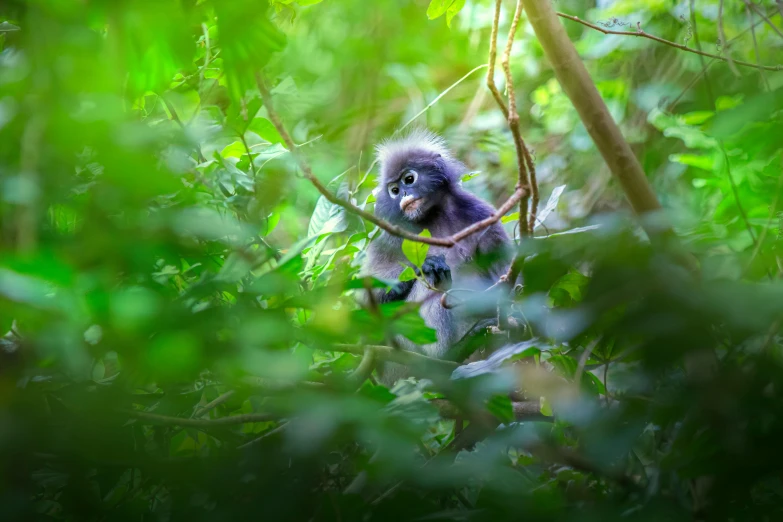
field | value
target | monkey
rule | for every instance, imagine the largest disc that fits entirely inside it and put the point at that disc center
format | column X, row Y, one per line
column 420, row 188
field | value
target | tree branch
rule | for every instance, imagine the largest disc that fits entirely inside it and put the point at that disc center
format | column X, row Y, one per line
column 382, row 224
column 493, row 45
column 639, row 32
column 165, row 420
column 523, row 410
column 387, row 353
column 513, row 124
column 365, row 368
column 263, row 436
column 213, row 404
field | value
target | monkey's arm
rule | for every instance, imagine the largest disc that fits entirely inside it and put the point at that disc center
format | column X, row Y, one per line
column 398, row 292
column 384, row 261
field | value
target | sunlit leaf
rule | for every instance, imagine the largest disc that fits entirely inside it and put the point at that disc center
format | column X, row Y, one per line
column 407, row 274
column 415, row 251
column 551, row 205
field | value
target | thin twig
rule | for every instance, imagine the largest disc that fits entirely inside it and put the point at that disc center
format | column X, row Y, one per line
column 643, row 34
column 154, row 418
column 765, row 18
column 513, row 122
column 493, row 42
column 382, row 224
column 524, row 161
column 213, row 404
column 262, row 437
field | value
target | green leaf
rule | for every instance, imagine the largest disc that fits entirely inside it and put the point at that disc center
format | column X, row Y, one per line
column 514, row 216
column 453, row 9
column 328, row 217
column 416, row 252
column 234, row 150
column 270, row 223
column 546, row 408
column 264, row 128
column 450, row 8
column 565, row 364
column 248, row 40
column 500, row 406
column 407, row 274
column 692, row 137
column 469, row 176
column 694, row 160
column 697, row 117
column 239, row 118
column 354, row 284
column 592, row 384
column 437, row 8
column 234, row 268
column 572, row 284
column 756, row 109
column 551, row 204
column 410, row 325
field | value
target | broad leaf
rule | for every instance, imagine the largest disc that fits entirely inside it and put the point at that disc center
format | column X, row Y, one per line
column 328, row 217
column 495, row 361
column 416, row 252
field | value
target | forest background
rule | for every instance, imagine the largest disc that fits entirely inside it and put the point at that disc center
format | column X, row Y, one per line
column 177, row 297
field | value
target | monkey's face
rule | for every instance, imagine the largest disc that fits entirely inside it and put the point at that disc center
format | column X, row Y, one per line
column 412, row 190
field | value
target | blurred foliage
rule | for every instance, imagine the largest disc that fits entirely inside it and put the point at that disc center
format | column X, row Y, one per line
column 182, row 340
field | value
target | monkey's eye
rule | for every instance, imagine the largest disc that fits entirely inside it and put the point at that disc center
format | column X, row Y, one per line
column 410, row 177
column 394, row 190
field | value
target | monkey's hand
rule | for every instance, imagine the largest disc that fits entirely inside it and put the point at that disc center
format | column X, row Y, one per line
column 437, row 272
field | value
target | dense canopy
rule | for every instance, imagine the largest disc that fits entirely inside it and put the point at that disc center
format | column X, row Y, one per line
column 186, row 199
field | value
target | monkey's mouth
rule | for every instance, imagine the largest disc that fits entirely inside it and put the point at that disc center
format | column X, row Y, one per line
column 410, row 205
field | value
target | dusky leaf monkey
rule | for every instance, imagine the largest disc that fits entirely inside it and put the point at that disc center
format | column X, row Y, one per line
column 420, row 188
